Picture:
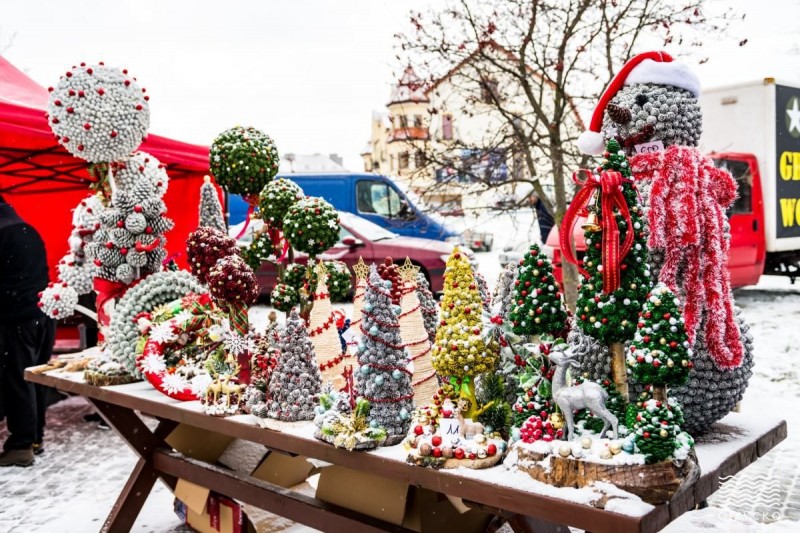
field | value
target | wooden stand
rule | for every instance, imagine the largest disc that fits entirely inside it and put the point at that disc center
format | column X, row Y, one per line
column 656, row 483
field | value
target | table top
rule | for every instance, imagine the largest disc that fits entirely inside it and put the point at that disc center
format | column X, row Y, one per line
column 733, row 443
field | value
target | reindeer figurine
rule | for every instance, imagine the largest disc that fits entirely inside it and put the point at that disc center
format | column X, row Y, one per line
column 467, row 429
column 587, row 395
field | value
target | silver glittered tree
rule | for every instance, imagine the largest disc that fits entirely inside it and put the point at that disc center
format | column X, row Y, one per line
column 383, row 378
column 430, row 311
column 210, row 207
column 295, row 383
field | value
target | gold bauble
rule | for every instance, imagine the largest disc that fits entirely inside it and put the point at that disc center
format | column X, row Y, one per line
column 605, row 454
column 615, row 447
column 670, row 363
column 663, row 433
column 586, row 443
column 565, row 450
column 557, row 420
column 662, row 340
column 592, row 319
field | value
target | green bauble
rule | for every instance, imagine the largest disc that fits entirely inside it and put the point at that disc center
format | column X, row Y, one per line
column 295, row 275
column 311, row 226
column 339, row 282
column 243, row 160
column 276, row 198
column 260, row 248
column 283, row 297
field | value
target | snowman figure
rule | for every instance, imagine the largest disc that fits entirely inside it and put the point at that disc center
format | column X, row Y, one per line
column 651, row 108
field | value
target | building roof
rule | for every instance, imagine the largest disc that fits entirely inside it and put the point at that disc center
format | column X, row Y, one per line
column 410, row 88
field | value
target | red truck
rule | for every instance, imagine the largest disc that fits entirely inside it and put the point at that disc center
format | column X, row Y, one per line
column 753, row 131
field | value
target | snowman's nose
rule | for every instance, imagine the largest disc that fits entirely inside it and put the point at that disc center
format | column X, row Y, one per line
column 619, row 114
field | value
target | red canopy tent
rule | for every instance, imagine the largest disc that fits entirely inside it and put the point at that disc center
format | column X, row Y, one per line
column 43, row 182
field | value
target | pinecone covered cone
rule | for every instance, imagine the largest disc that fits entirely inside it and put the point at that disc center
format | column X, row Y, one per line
column 232, row 281
column 204, row 247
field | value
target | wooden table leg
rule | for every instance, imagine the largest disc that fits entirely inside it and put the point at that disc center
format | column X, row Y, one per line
column 143, row 442
column 527, row 524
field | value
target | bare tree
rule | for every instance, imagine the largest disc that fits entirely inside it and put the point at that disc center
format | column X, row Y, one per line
column 522, row 69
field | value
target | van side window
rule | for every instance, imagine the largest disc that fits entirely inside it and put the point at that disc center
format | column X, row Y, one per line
column 740, row 170
column 377, row 197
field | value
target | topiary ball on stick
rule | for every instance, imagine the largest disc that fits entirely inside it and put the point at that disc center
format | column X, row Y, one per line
column 98, row 113
column 283, row 297
column 232, row 281
column 295, row 276
column 275, row 200
column 243, row 160
column 204, row 247
column 311, row 226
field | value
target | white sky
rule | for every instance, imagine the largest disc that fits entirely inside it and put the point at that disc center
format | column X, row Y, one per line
column 307, row 72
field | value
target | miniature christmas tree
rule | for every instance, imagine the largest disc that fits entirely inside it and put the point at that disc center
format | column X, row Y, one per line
column 460, row 352
column 606, row 313
column 660, row 353
column 503, row 299
column 539, row 307
column 322, row 330
column 362, row 272
column 295, row 382
column 655, row 429
column 534, row 385
column 430, row 310
column 412, row 331
column 383, row 378
column 497, row 416
column 210, row 207
column 483, row 290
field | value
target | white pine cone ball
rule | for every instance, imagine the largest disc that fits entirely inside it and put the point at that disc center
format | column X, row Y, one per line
column 136, row 259
column 78, row 276
column 87, row 213
column 124, row 273
column 141, row 167
column 98, row 113
column 58, row 300
column 135, row 223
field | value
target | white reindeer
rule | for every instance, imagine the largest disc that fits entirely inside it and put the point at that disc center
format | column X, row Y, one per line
column 587, row 395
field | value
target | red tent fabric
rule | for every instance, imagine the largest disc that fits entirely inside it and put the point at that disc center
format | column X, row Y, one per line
column 43, row 182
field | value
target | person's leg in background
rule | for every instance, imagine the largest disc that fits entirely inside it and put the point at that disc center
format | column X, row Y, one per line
column 45, row 352
column 21, row 345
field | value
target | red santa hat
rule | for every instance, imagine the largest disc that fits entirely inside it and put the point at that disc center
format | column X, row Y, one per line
column 649, row 67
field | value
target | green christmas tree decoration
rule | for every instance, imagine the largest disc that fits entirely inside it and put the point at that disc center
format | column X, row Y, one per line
column 615, row 403
column 283, row 297
column 497, row 416
column 295, row 276
column 660, row 352
column 210, row 207
column 311, row 225
column 611, row 318
column 534, row 389
column 539, row 307
column 243, row 160
column 339, row 281
column 275, row 200
column 655, row 429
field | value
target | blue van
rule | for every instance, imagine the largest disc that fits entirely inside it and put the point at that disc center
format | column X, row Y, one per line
column 371, row 196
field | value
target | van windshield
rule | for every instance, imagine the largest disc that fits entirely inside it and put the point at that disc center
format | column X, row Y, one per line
column 368, row 230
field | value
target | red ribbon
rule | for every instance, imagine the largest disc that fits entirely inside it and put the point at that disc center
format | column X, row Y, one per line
column 347, row 374
column 107, row 290
column 609, row 184
column 250, row 211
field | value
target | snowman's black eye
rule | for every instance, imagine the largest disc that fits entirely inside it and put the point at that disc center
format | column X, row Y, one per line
column 641, row 99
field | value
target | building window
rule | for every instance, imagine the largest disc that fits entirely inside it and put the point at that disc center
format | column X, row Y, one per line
column 447, row 127
column 403, row 122
column 489, row 91
column 417, row 121
column 419, row 159
column 403, row 161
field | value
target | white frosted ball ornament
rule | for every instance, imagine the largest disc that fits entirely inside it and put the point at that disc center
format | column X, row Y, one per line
column 98, row 113
column 58, row 300
column 141, row 166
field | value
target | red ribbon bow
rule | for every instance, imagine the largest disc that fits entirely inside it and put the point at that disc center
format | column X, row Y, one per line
column 609, row 184
column 348, row 385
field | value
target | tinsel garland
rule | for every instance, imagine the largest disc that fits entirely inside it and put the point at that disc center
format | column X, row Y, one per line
column 688, row 199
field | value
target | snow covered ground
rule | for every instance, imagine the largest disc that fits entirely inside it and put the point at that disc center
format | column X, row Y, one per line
column 65, row 491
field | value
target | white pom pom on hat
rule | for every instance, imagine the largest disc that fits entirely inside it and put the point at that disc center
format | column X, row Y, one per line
column 648, row 67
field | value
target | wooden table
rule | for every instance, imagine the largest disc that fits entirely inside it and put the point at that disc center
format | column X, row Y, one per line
column 735, row 442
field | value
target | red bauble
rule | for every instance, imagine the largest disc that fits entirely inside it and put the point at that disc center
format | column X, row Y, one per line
column 418, row 430
column 437, row 452
column 436, row 440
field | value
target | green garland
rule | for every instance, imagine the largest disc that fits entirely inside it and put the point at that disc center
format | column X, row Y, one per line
column 311, row 226
column 612, row 317
column 243, row 160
